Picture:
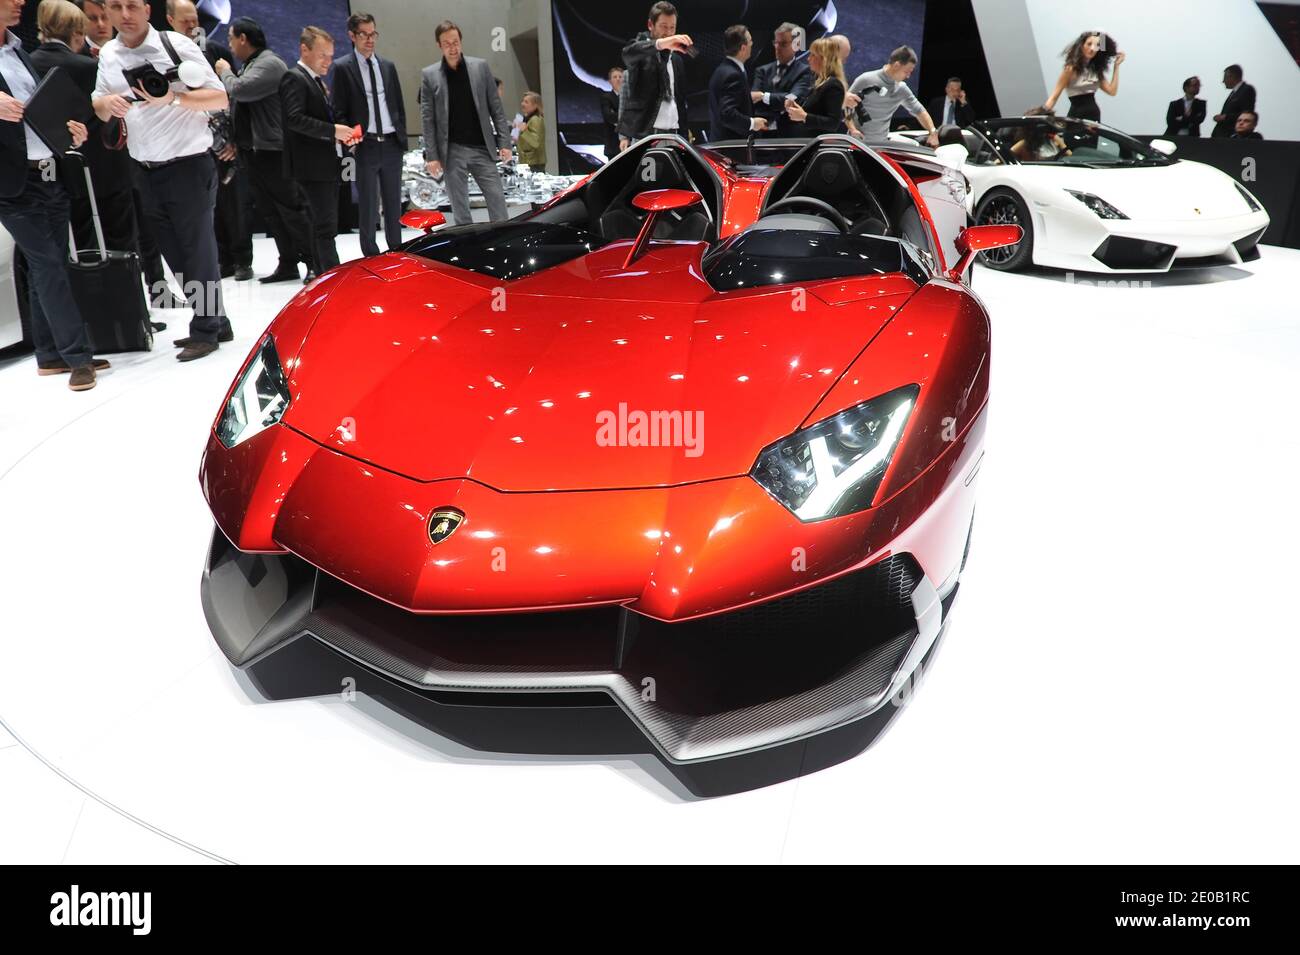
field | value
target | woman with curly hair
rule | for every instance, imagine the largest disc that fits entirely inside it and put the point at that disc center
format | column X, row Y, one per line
column 1087, row 62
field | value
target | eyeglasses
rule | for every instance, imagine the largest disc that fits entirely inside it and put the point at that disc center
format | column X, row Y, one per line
column 372, row 35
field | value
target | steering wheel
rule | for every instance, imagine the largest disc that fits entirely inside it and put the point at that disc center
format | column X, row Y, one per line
column 821, row 208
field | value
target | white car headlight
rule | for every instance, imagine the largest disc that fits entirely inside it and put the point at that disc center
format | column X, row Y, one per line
column 835, row 467
column 259, row 399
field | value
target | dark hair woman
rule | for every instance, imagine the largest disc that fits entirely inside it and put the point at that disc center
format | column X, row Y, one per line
column 822, row 110
column 1087, row 61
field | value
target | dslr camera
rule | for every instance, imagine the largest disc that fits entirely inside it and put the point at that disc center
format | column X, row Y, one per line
column 151, row 80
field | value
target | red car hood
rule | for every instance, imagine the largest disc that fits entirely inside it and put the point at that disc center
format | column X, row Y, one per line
column 586, row 375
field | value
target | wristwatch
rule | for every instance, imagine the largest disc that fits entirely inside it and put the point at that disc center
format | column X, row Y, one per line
column 176, row 98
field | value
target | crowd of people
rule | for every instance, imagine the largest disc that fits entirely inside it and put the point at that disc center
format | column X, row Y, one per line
column 167, row 169
column 166, row 166
column 805, row 92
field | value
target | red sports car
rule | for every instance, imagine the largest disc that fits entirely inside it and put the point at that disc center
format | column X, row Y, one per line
column 699, row 435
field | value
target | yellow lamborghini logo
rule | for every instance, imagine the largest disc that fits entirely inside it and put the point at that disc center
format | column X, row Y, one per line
column 443, row 523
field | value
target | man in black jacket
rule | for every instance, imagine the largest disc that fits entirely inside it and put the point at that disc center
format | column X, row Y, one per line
column 951, row 109
column 311, row 155
column 1241, row 99
column 367, row 93
column 775, row 82
column 654, row 86
column 34, row 210
column 609, row 111
column 731, row 109
column 1185, row 114
column 257, row 117
column 1247, row 120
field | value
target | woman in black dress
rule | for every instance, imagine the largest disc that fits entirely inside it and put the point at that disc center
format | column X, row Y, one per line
column 1087, row 69
column 822, row 110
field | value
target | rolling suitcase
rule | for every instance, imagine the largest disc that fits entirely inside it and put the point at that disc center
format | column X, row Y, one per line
column 109, row 290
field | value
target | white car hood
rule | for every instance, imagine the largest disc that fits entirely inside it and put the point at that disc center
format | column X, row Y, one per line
column 1184, row 190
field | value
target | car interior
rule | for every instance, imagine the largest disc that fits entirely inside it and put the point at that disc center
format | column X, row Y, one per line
column 822, row 207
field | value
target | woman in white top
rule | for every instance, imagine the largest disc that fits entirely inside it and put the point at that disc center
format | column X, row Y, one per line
column 1087, row 61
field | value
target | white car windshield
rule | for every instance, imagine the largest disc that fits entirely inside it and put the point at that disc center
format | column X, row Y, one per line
column 1050, row 140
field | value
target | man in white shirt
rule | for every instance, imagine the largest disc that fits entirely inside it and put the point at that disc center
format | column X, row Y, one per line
column 99, row 29
column 34, row 210
column 654, row 87
column 168, row 137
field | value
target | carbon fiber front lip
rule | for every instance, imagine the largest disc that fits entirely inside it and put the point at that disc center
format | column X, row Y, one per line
column 869, row 684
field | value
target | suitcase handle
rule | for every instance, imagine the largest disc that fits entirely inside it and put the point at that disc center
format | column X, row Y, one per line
column 73, row 253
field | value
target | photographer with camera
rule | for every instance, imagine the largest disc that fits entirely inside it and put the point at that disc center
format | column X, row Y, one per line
column 161, row 87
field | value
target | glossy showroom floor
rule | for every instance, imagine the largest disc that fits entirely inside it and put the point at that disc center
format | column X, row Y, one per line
column 1117, row 684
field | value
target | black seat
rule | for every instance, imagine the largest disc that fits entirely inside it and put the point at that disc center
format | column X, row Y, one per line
column 655, row 169
column 834, row 177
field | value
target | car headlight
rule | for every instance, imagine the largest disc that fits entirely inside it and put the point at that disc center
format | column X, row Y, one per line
column 259, row 399
column 1245, row 194
column 1098, row 205
column 834, row 467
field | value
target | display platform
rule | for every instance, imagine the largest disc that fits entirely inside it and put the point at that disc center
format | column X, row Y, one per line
column 1141, row 437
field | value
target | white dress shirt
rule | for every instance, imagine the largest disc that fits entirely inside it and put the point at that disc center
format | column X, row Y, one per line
column 22, row 84
column 385, row 120
column 667, row 116
column 157, row 133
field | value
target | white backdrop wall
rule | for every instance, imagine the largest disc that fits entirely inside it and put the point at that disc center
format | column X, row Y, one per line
column 1166, row 42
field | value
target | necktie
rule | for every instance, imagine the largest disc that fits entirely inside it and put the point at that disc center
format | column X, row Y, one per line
column 780, row 73
column 374, row 94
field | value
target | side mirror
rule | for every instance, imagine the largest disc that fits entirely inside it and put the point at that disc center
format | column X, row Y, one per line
column 654, row 202
column 977, row 238
column 1164, row 146
column 423, row 219
column 952, row 155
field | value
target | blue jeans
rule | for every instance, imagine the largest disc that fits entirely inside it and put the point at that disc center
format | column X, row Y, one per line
column 37, row 218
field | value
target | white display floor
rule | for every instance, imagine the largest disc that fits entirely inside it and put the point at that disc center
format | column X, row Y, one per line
column 1117, row 684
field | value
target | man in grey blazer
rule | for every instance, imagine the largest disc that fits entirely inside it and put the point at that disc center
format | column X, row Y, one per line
column 458, row 97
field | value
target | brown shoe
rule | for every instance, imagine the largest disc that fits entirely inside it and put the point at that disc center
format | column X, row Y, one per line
column 60, row 367
column 83, row 378
column 227, row 336
column 197, row 350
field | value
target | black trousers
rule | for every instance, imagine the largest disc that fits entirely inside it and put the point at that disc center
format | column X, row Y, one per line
column 282, row 205
column 37, row 218
column 379, row 177
column 180, row 201
column 151, row 262
column 234, row 240
column 323, row 201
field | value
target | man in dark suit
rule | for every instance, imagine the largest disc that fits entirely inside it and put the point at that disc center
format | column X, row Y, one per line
column 1241, row 99
column 1185, row 115
column 34, row 210
column 731, row 109
column 367, row 93
column 951, row 109
column 654, row 86
column 310, row 136
column 779, row 80
column 99, row 28
column 609, row 111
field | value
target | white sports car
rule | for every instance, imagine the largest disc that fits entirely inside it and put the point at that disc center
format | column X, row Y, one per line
column 1092, row 199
